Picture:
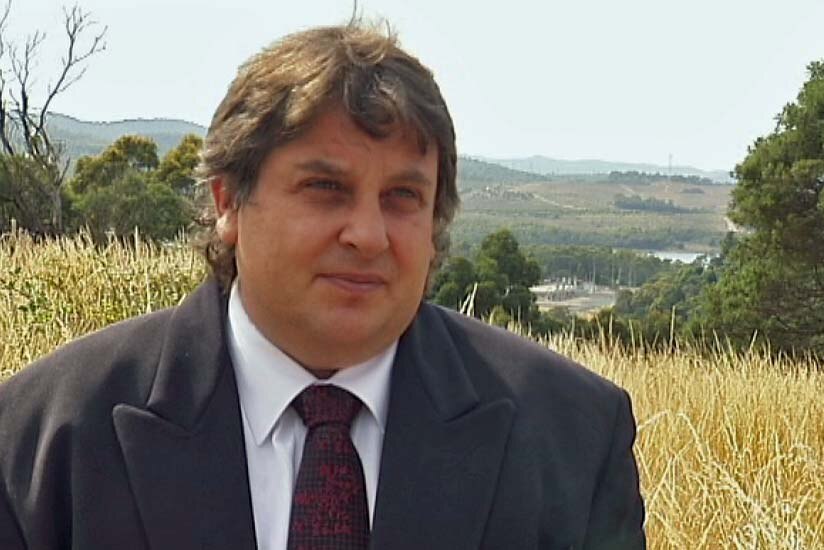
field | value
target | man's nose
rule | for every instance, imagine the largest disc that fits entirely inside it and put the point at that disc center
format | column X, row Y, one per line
column 365, row 228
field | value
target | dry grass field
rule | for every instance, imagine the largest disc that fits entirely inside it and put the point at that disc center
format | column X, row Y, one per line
column 730, row 448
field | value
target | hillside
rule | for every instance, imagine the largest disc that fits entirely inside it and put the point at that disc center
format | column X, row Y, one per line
column 661, row 215
column 550, row 166
column 474, row 173
column 89, row 138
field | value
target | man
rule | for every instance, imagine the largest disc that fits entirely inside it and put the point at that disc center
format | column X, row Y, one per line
column 304, row 397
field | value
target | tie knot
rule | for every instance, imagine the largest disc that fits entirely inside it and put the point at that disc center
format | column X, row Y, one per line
column 326, row 404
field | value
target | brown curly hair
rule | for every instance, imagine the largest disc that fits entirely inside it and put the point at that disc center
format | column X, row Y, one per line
column 278, row 92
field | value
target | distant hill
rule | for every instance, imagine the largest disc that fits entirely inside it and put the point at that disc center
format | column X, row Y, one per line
column 472, row 172
column 90, row 138
column 550, row 166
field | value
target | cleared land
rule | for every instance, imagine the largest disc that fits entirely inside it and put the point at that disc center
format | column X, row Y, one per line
column 730, row 448
column 578, row 211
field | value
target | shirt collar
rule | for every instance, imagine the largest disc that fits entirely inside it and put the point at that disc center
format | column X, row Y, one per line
column 268, row 379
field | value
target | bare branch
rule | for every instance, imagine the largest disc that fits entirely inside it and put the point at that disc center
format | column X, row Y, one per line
column 76, row 23
column 4, row 18
column 5, row 134
column 21, row 66
column 22, row 123
column 64, row 170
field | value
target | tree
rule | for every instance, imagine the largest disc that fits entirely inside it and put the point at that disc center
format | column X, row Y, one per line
column 121, row 189
column 772, row 282
column 127, row 153
column 667, row 304
column 177, row 168
column 501, row 261
column 131, row 202
column 23, row 193
column 503, row 248
column 453, row 282
column 23, row 125
column 501, row 276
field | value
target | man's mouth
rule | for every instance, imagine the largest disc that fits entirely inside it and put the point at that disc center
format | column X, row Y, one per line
column 355, row 282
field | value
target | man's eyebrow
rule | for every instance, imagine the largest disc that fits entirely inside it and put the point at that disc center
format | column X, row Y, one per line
column 321, row 166
column 413, row 176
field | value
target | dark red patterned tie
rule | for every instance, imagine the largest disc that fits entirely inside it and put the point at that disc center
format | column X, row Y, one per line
column 329, row 510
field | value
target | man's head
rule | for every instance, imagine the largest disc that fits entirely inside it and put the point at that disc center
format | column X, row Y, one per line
column 278, row 93
column 332, row 166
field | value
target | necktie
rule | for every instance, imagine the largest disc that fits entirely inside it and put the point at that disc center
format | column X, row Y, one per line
column 329, row 510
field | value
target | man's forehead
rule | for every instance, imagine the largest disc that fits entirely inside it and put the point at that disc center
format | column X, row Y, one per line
column 337, row 125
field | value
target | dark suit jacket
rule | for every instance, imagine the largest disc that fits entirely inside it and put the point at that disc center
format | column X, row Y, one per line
column 132, row 438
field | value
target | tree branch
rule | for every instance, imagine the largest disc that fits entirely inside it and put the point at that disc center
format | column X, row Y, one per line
column 76, row 23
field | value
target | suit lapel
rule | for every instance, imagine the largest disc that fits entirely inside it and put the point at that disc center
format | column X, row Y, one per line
column 184, row 451
column 443, row 447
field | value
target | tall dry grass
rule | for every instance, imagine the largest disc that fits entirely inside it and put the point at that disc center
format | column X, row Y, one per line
column 53, row 292
column 730, row 448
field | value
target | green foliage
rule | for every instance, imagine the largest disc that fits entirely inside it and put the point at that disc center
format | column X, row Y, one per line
column 624, row 202
column 520, row 303
column 766, row 294
column 486, row 297
column 773, row 281
column 636, row 177
column 133, row 201
column 27, row 194
column 450, row 295
column 500, row 278
column 502, row 248
column 499, row 316
column 602, row 265
column 781, row 180
column 177, row 168
column 667, row 305
column 617, row 233
column 454, row 282
column 127, row 187
column 128, row 153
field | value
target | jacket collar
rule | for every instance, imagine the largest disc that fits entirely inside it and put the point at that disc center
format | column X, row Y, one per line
column 443, row 448
column 194, row 358
column 184, row 452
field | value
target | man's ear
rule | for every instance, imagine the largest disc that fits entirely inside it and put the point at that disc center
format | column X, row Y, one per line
column 226, row 210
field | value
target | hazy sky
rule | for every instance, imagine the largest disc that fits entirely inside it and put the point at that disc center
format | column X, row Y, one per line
column 633, row 80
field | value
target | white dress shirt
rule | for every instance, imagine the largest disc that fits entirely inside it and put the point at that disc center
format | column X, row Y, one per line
column 268, row 380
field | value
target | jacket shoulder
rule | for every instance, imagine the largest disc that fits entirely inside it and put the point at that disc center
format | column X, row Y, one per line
column 503, row 364
column 515, row 357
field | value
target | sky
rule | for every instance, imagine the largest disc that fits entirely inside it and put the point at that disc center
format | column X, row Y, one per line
column 632, row 81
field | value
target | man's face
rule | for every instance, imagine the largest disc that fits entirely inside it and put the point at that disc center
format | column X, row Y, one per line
column 334, row 244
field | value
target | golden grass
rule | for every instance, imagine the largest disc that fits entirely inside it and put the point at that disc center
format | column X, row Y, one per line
column 730, row 448
column 54, row 292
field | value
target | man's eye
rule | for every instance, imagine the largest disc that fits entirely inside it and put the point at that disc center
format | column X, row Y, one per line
column 405, row 193
column 403, row 199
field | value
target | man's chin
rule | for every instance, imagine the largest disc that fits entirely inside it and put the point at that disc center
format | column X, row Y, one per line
column 347, row 340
